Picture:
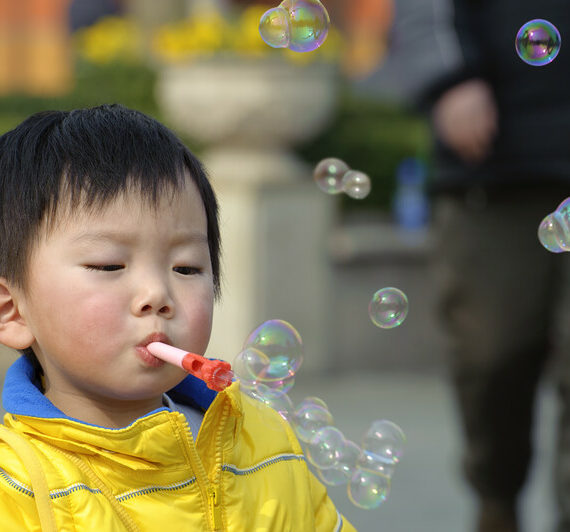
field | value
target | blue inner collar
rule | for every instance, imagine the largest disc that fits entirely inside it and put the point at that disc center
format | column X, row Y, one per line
column 22, row 393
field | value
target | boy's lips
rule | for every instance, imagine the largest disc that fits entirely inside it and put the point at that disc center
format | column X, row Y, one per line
column 148, row 359
column 145, row 355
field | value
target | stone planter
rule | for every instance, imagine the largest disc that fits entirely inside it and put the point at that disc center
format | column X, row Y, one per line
column 244, row 102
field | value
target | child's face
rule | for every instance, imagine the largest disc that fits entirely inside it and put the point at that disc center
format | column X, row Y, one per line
column 101, row 283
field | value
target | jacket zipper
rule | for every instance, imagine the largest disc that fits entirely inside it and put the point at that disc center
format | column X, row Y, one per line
column 215, row 509
column 213, row 488
column 212, row 485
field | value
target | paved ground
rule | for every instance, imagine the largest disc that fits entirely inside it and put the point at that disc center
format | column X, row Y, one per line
column 427, row 492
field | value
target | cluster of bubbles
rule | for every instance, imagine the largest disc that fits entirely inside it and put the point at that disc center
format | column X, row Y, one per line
column 538, row 42
column 554, row 230
column 388, row 308
column 334, row 176
column 300, row 25
column 266, row 367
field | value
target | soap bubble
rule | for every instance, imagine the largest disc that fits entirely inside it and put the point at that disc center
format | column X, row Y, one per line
column 282, row 385
column 266, row 369
column 309, row 22
column 547, row 231
column 274, row 27
column 554, row 230
column 309, row 417
column 334, row 176
column 384, row 442
column 375, row 464
column 300, row 25
column 328, row 175
column 282, row 344
column 356, row 184
column 251, row 366
column 368, row 490
column 345, row 467
column 388, row 308
column 538, row 42
column 324, row 449
column 276, row 399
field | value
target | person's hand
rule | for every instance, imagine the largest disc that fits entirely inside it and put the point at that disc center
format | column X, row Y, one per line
column 466, row 119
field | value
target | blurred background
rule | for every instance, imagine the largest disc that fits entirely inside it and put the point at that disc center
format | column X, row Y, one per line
column 261, row 119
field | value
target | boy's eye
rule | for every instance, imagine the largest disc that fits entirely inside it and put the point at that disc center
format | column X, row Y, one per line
column 104, row 267
column 187, row 270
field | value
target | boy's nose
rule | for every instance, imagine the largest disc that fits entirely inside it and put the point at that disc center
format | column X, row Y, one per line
column 153, row 300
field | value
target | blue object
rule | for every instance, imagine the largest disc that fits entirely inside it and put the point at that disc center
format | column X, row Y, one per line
column 410, row 203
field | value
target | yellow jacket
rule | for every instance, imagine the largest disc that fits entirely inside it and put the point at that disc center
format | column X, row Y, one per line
column 244, row 472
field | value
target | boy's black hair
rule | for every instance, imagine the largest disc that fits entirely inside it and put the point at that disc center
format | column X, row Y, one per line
column 86, row 158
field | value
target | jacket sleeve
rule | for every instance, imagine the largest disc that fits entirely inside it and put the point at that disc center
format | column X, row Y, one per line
column 327, row 517
column 17, row 509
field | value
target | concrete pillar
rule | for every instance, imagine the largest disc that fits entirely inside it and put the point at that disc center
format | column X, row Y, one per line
column 275, row 226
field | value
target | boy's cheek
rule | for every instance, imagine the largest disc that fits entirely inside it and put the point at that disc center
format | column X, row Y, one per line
column 94, row 318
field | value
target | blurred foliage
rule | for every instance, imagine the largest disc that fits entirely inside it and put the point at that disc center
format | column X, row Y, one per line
column 131, row 84
column 111, row 38
column 233, row 33
column 374, row 137
column 209, row 32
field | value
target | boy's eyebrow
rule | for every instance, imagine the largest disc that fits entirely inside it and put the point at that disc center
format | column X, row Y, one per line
column 184, row 237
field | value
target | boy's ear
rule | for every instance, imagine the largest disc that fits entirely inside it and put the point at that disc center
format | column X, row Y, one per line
column 14, row 331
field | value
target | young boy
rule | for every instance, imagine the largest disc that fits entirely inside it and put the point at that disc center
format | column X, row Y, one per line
column 110, row 241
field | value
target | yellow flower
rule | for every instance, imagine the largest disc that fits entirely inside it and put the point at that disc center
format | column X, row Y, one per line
column 244, row 36
column 109, row 39
column 204, row 34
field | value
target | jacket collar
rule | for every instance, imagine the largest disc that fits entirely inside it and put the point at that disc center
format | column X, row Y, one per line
column 22, row 394
column 150, row 442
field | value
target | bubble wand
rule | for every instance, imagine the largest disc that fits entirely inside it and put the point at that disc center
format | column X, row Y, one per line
column 217, row 374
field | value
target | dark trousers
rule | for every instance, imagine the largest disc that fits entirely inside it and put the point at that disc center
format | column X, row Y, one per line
column 499, row 298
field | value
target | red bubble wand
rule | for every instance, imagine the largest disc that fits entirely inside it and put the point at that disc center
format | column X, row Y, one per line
column 217, row 374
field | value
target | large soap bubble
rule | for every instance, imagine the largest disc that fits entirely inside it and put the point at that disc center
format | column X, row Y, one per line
column 538, row 42
column 280, row 342
column 300, row 25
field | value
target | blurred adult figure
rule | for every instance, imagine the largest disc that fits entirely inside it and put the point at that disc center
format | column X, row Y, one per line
column 502, row 164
